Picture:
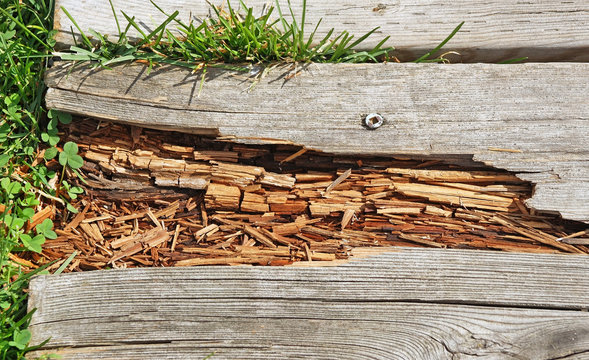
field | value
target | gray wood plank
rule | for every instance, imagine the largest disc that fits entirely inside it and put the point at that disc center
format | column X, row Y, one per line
column 494, row 31
column 407, row 304
column 540, row 111
column 275, row 329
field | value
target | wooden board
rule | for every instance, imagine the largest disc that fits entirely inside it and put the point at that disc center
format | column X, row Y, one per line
column 493, row 31
column 528, row 118
column 410, row 303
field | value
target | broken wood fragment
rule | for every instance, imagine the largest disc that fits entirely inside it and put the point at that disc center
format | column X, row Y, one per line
column 222, row 197
column 427, row 131
column 338, row 181
column 254, row 203
column 259, row 236
column 454, row 176
column 135, row 244
column 451, row 196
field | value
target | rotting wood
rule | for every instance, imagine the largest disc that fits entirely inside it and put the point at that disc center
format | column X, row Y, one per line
column 539, row 108
column 139, row 242
column 222, row 197
column 542, row 31
column 441, row 299
column 367, row 208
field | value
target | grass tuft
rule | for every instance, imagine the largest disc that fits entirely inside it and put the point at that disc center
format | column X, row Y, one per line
column 231, row 36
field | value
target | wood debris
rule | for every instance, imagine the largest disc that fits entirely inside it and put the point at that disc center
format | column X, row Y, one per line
column 155, row 198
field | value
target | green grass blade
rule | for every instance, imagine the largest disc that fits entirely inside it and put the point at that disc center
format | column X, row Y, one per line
column 310, row 40
column 66, row 263
column 159, row 29
column 285, row 24
column 74, row 57
column 302, row 32
column 24, row 28
column 342, row 47
column 98, row 36
column 362, row 38
column 512, row 61
column 87, row 41
column 437, row 48
column 177, row 21
column 120, row 59
column 80, row 51
column 114, row 13
column 131, row 21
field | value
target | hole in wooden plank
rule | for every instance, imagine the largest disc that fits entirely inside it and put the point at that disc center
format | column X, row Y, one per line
column 222, row 202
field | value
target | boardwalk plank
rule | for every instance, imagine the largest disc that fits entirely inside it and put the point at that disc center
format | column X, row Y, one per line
column 411, row 303
column 493, row 31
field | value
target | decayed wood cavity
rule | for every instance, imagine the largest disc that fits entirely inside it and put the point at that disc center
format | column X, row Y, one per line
column 158, row 198
column 527, row 118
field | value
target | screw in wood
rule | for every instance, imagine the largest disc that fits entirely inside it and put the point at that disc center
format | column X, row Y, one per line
column 373, row 121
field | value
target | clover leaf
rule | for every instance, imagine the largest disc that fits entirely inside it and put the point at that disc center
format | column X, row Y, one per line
column 4, row 158
column 50, row 153
column 12, row 188
column 63, row 117
column 69, row 156
column 50, row 137
column 71, row 208
column 13, row 222
column 20, row 339
column 45, row 229
column 33, row 243
column 26, row 213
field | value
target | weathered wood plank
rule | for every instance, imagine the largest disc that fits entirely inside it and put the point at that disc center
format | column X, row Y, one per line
column 539, row 112
column 280, row 329
column 408, row 304
column 494, row 31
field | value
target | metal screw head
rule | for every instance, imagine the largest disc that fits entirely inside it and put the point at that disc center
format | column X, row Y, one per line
column 373, row 121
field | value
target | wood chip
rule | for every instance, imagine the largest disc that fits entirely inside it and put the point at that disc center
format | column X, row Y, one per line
column 40, row 216
column 222, row 197
column 97, row 218
column 206, row 230
column 153, row 218
column 77, row 219
column 146, row 240
column 307, row 252
column 339, row 180
column 347, row 217
column 294, row 156
column 259, row 236
column 175, row 238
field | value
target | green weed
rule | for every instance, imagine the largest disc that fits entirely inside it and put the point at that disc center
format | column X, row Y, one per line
column 26, row 43
column 14, row 335
column 229, row 37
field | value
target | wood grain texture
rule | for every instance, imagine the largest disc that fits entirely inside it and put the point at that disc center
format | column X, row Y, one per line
column 493, row 31
column 540, row 111
column 408, row 304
